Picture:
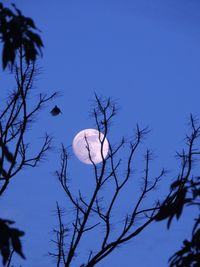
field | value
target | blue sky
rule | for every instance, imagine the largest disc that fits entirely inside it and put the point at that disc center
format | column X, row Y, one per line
column 145, row 55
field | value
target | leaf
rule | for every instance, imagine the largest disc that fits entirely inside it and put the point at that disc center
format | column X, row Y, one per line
column 169, row 221
column 30, row 23
column 15, row 27
column 30, row 51
column 179, row 202
column 176, row 184
column 16, row 243
column 189, row 254
column 9, row 236
column 196, row 239
column 9, row 221
column 15, row 33
column 8, row 12
column 8, row 55
column 35, row 38
column 19, row 13
column 4, row 241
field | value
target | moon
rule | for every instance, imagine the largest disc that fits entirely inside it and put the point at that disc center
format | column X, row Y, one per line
column 90, row 139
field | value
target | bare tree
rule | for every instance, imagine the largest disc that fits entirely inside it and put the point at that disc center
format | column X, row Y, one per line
column 16, row 118
column 96, row 211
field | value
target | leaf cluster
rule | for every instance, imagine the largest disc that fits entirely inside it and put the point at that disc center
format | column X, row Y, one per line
column 15, row 119
column 9, row 240
column 173, row 205
column 185, row 191
column 18, row 32
column 189, row 254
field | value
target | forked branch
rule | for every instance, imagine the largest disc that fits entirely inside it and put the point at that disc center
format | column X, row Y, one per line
column 97, row 210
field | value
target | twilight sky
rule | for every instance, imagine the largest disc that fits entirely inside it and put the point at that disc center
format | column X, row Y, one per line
column 145, row 54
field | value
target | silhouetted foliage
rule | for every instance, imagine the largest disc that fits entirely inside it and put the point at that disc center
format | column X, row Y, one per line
column 20, row 40
column 185, row 191
column 173, row 205
column 16, row 116
column 189, row 254
column 9, row 240
column 18, row 32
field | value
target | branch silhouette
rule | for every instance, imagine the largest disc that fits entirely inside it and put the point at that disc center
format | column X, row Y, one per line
column 94, row 211
column 185, row 192
column 15, row 152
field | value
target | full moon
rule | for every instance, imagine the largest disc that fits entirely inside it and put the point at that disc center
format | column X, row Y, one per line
column 89, row 140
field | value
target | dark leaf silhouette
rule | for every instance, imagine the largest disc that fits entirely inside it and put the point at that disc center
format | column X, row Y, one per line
column 172, row 206
column 17, row 10
column 176, row 184
column 36, row 38
column 14, row 121
column 8, row 54
column 9, row 238
column 16, row 244
column 30, row 22
column 185, row 192
column 18, row 32
column 189, row 254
